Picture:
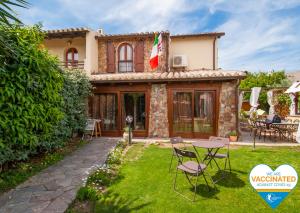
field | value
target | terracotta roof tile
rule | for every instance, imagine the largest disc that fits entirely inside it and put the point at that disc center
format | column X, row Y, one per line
column 66, row 30
column 167, row 76
column 218, row 34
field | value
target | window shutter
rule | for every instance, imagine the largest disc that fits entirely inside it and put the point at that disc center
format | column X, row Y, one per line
column 139, row 57
column 111, row 68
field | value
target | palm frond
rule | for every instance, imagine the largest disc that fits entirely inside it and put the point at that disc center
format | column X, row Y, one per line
column 7, row 13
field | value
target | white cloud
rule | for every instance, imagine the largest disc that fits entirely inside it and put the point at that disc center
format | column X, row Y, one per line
column 257, row 38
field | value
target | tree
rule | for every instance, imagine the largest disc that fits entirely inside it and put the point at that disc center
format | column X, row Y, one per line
column 265, row 80
column 7, row 14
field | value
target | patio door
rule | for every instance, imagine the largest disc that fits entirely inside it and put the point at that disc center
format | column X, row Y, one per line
column 134, row 104
column 193, row 113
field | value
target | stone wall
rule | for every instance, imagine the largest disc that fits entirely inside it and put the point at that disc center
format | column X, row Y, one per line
column 158, row 117
column 148, row 43
column 228, row 108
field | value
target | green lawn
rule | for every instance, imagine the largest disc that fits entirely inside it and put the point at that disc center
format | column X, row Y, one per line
column 145, row 185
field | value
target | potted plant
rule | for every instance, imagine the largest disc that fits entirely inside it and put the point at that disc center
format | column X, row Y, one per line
column 233, row 136
column 126, row 134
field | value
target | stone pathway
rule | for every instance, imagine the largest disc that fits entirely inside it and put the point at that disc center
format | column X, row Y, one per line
column 53, row 189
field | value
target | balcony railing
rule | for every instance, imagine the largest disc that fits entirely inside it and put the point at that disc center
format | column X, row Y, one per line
column 72, row 65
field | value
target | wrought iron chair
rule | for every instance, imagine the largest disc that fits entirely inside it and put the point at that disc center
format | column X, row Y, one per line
column 191, row 169
column 226, row 155
column 174, row 141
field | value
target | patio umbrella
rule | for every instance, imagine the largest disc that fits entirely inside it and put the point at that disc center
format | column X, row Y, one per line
column 270, row 102
column 254, row 98
column 241, row 100
column 292, row 90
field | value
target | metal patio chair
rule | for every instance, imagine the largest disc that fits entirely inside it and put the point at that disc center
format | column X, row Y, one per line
column 191, row 168
column 174, row 141
column 226, row 155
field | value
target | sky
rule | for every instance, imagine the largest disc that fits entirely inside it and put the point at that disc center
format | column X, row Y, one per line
column 260, row 35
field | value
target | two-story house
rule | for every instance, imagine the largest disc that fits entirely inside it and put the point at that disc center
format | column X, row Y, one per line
column 187, row 95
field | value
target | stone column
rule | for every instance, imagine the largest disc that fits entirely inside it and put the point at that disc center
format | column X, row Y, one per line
column 227, row 112
column 158, row 117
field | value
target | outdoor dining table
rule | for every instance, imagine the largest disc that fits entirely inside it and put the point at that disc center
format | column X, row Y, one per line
column 212, row 149
column 285, row 129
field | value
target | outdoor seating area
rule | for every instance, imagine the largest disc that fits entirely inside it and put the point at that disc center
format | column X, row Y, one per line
column 284, row 131
column 193, row 165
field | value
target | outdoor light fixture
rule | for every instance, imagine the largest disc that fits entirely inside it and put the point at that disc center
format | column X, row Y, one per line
column 69, row 42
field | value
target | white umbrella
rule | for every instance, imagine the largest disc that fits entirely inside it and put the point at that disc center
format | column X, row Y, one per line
column 294, row 88
column 254, row 98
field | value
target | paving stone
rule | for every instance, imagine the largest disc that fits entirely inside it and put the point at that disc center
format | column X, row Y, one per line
column 53, row 189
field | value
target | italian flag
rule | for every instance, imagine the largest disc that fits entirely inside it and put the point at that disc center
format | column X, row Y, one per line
column 156, row 51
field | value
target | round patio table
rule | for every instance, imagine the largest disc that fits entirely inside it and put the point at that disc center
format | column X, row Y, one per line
column 212, row 149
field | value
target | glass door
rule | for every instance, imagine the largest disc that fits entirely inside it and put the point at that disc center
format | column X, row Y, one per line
column 183, row 112
column 134, row 104
column 193, row 113
column 108, row 111
column 204, row 112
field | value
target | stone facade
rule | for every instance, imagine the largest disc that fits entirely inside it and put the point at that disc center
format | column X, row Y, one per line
column 148, row 43
column 228, row 108
column 158, row 117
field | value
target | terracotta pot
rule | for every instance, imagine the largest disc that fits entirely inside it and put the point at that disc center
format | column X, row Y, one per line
column 233, row 138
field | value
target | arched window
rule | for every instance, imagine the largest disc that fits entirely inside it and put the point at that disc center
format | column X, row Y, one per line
column 125, row 62
column 71, row 57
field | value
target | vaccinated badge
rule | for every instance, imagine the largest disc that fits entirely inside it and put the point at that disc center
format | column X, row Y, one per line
column 273, row 186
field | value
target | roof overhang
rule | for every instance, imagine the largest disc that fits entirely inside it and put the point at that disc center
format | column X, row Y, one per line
column 183, row 76
column 131, row 35
column 67, row 33
column 195, row 35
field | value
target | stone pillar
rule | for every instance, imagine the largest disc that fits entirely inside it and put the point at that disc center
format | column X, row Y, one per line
column 158, row 117
column 227, row 113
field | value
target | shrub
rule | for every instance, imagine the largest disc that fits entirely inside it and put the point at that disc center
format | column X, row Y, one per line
column 115, row 156
column 101, row 177
column 76, row 88
column 30, row 98
column 40, row 104
column 282, row 107
column 87, row 193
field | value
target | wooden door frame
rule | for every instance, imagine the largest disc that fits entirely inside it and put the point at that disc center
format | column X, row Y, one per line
column 123, row 88
column 182, row 87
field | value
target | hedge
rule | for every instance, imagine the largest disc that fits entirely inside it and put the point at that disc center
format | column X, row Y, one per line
column 40, row 104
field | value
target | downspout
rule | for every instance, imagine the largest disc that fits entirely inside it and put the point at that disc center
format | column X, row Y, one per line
column 237, row 91
column 214, row 53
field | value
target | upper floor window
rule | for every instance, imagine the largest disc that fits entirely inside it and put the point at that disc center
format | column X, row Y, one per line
column 71, row 57
column 125, row 62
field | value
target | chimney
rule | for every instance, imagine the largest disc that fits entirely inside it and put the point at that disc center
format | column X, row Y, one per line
column 100, row 31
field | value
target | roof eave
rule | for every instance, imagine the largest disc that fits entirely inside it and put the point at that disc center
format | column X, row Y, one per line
column 223, row 78
column 218, row 35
